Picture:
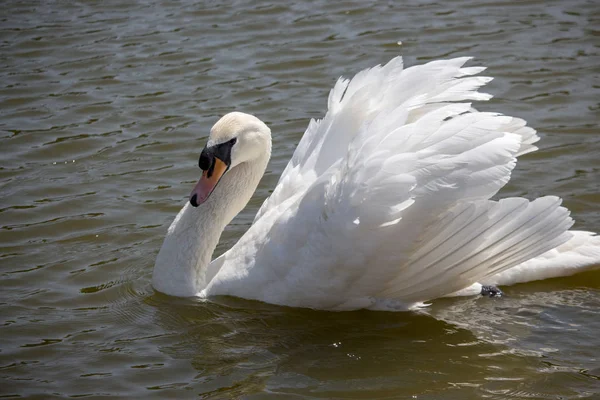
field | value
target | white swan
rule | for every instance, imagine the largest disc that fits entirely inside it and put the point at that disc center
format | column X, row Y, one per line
column 385, row 203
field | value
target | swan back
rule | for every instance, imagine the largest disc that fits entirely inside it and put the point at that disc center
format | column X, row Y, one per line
column 388, row 197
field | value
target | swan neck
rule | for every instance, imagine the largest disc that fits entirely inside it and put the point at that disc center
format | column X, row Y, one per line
column 182, row 262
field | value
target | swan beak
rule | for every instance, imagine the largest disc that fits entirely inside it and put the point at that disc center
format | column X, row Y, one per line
column 207, row 183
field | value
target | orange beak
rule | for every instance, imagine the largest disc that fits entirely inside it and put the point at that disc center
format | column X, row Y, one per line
column 207, row 183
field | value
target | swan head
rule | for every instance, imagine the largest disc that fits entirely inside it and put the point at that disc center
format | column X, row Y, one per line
column 235, row 139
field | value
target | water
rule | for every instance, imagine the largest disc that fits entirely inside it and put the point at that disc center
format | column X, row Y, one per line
column 104, row 109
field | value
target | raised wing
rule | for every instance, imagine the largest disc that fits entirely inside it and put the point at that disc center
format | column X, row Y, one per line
column 373, row 93
column 387, row 198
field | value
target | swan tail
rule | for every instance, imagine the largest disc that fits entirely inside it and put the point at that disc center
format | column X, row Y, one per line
column 478, row 240
column 580, row 253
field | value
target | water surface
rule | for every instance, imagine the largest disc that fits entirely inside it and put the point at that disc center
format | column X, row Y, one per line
column 104, row 108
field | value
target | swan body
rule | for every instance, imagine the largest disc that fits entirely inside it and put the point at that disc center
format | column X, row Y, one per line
column 385, row 203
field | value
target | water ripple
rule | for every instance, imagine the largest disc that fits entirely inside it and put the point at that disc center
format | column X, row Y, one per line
column 104, row 108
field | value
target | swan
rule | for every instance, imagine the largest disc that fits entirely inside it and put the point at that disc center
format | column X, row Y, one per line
column 385, row 204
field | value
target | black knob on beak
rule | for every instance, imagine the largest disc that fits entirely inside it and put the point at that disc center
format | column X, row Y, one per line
column 206, row 159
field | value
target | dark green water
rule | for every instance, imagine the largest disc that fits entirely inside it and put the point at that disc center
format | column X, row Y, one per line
column 104, row 107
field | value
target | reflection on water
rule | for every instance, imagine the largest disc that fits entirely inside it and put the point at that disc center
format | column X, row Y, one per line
column 318, row 353
column 104, row 108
